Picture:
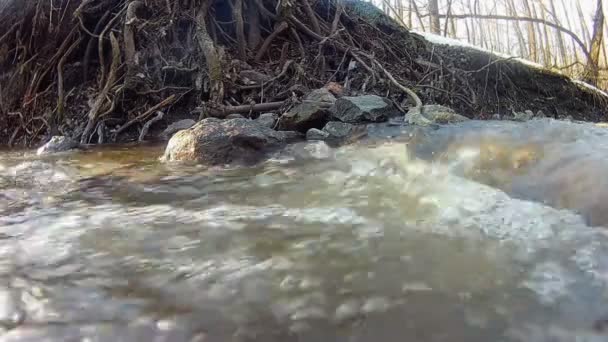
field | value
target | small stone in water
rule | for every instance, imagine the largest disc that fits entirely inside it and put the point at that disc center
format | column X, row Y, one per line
column 347, row 310
column 375, row 304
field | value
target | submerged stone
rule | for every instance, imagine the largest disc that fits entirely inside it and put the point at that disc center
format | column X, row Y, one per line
column 57, row 144
column 338, row 130
column 214, row 142
column 367, row 108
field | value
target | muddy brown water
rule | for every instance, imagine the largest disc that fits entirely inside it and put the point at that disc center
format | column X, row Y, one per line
column 483, row 231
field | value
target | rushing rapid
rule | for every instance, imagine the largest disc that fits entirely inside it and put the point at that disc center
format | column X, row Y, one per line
column 481, row 231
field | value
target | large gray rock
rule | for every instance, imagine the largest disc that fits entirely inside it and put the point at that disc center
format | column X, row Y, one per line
column 176, row 127
column 367, row 108
column 57, row 144
column 305, row 116
column 267, row 120
column 433, row 114
column 215, row 142
column 339, row 130
column 313, row 112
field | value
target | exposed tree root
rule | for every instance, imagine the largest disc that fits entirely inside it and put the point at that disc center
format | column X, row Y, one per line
column 146, row 128
column 101, row 99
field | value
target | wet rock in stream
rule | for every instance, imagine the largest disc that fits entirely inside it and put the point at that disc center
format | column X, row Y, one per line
column 366, row 108
column 313, row 112
column 213, row 142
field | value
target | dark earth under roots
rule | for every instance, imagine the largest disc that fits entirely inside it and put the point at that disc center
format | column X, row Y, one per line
column 103, row 71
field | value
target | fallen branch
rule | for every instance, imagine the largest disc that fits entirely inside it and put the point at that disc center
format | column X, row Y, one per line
column 169, row 100
column 408, row 91
column 224, row 111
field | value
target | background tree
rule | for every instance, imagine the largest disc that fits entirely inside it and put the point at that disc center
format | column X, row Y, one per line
column 564, row 35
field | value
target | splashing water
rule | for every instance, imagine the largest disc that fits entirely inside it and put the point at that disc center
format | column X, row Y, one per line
column 482, row 232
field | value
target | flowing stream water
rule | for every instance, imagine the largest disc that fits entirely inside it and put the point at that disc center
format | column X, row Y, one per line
column 482, row 231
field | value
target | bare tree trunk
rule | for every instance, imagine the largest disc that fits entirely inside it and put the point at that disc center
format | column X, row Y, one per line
column 482, row 38
column 592, row 68
column 434, row 16
column 418, row 15
column 473, row 30
column 583, row 22
column 410, row 10
column 570, row 26
column 559, row 36
column 547, row 43
column 533, row 55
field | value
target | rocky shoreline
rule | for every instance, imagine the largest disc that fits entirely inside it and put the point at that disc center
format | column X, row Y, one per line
column 325, row 114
